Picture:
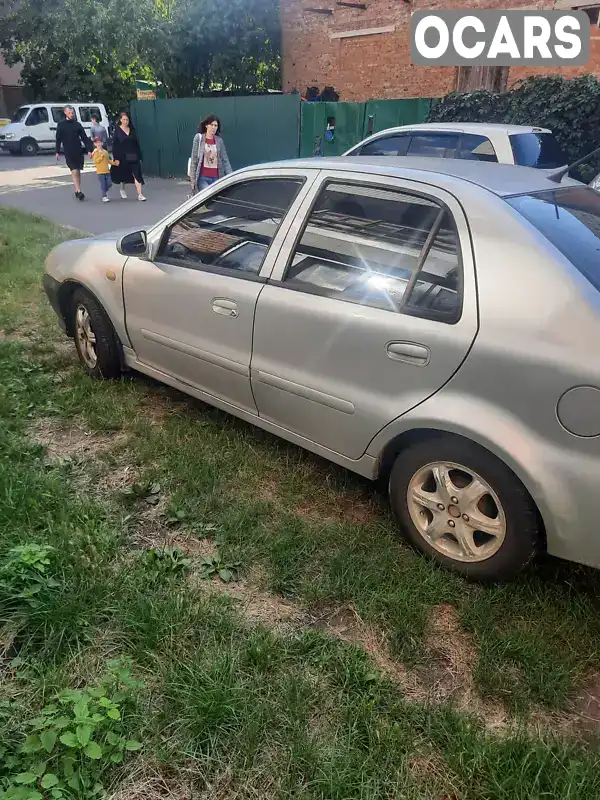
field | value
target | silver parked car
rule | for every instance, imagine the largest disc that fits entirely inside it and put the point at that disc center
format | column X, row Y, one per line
column 433, row 323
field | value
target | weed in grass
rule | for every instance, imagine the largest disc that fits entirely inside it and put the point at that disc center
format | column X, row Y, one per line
column 71, row 745
column 215, row 566
column 166, row 561
column 24, row 574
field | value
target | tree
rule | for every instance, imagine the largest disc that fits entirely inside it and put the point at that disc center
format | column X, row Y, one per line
column 79, row 49
column 233, row 45
column 96, row 49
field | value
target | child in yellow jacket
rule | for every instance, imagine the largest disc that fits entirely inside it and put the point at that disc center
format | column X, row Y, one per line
column 103, row 162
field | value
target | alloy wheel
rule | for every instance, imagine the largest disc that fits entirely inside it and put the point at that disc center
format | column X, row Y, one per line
column 86, row 338
column 456, row 511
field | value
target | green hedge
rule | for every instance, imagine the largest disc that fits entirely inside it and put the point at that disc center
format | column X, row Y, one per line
column 570, row 108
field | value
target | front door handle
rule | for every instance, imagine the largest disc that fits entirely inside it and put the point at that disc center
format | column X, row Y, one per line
column 227, row 308
column 409, row 352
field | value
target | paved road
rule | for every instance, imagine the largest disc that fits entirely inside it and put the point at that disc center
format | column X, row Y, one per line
column 41, row 186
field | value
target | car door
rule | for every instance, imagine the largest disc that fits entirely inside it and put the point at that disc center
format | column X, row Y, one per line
column 369, row 311
column 37, row 126
column 190, row 311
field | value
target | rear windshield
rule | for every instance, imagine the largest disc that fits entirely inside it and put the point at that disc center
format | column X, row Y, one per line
column 570, row 219
column 20, row 114
column 539, row 150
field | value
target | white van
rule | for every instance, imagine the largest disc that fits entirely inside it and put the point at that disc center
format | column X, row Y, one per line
column 33, row 127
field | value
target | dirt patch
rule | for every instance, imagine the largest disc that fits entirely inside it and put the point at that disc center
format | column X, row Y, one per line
column 344, row 508
column 148, row 784
column 75, row 441
column 117, row 479
column 346, row 624
column 349, row 506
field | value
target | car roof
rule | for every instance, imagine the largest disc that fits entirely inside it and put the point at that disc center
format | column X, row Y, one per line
column 467, row 127
column 446, row 173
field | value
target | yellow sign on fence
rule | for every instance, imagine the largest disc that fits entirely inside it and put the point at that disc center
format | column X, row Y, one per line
column 146, row 94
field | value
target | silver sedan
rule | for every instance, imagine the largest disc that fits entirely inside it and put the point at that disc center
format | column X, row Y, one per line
column 433, row 323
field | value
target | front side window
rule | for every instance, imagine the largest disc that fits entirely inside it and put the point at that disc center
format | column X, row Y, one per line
column 58, row 113
column 434, row 145
column 85, row 113
column 539, row 150
column 387, row 146
column 380, row 247
column 474, row 147
column 20, row 114
column 38, row 116
column 233, row 229
column 570, row 219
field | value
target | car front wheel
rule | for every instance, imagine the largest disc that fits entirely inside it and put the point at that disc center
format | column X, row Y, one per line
column 459, row 504
column 95, row 339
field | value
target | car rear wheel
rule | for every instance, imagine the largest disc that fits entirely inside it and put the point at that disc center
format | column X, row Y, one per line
column 462, row 506
column 95, row 338
column 29, row 147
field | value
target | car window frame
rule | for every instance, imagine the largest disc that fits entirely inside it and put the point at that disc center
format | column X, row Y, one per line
column 301, row 222
column 158, row 234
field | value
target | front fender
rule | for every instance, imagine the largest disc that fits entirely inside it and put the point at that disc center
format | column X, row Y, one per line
column 97, row 266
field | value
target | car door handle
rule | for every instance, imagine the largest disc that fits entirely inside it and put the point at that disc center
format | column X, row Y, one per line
column 52, row 127
column 225, row 307
column 409, row 352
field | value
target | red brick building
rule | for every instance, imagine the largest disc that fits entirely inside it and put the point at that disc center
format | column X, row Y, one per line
column 362, row 49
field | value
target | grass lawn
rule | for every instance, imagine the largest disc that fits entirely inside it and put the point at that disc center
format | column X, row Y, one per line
column 190, row 608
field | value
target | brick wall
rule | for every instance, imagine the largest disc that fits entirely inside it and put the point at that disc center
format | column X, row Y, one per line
column 378, row 65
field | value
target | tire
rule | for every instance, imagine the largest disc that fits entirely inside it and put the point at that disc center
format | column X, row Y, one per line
column 105, row 363
column 431, row 471
column 29, row 147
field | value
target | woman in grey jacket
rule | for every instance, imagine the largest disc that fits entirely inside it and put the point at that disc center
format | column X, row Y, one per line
column 209, row 160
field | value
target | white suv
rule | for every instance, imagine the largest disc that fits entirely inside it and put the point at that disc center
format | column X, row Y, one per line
column 33, row 127
column 505, row 144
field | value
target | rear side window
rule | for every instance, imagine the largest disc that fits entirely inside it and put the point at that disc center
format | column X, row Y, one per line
column 434, row 145
column 570, row 219
column 540, row 150
column 85, row 113
column 58, row 113
column 386, row 146
column 474, row 147
column 380, row 247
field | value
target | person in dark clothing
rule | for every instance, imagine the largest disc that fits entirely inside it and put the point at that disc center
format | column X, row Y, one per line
column 126, row 151
column 73, row 139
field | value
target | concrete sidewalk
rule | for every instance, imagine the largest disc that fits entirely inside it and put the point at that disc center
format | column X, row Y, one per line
column 42, row 186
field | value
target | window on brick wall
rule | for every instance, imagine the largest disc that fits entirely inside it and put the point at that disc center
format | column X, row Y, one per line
column 473, row 79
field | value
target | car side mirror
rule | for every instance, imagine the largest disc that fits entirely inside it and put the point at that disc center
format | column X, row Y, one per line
column 133, row 244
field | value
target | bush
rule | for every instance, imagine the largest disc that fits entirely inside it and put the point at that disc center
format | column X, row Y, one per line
column 569, row 108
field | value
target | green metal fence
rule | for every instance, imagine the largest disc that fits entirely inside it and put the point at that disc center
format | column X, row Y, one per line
column 264, row 128
column 353, row 121
column 255, row 129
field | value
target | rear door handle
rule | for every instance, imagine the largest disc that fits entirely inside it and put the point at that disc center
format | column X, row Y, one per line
column 409, row 353
column 227, row 308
